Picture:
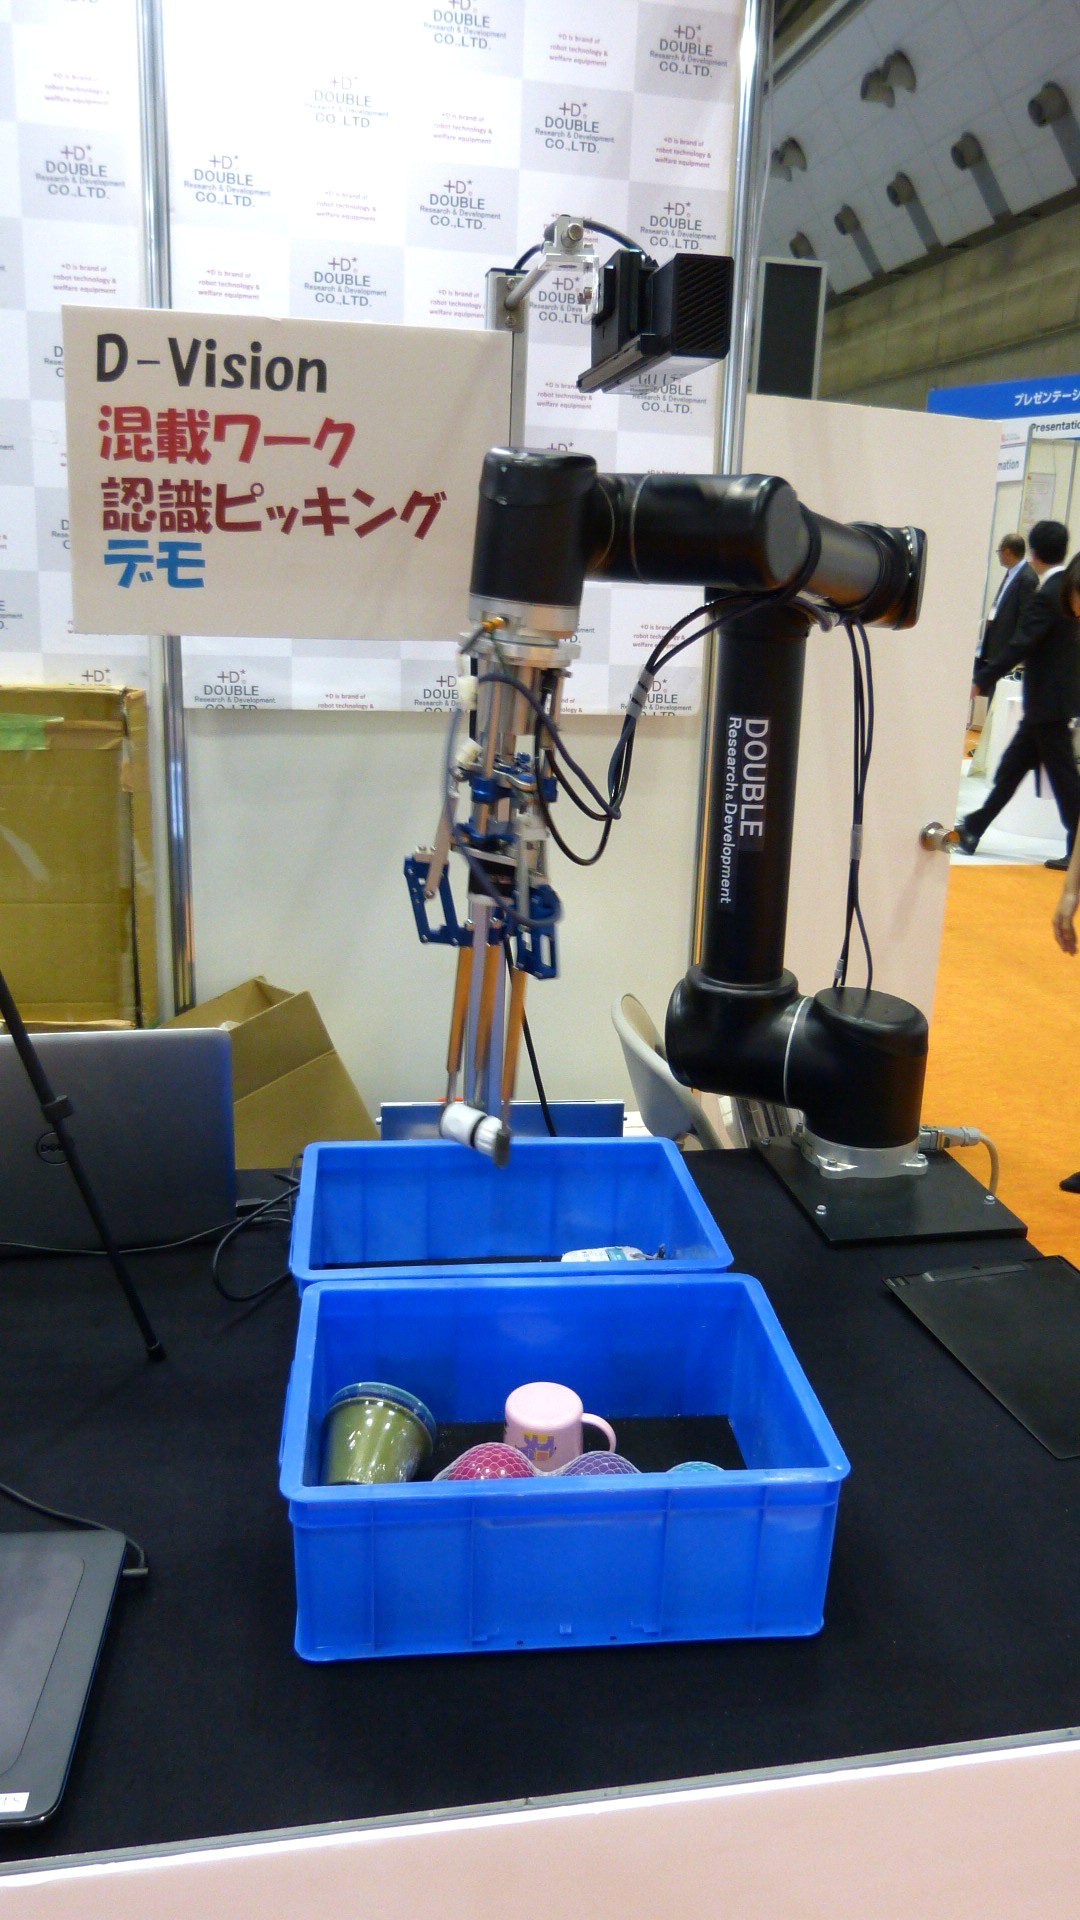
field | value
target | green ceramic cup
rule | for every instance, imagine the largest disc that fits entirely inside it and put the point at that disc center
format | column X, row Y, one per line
column 375, row 1434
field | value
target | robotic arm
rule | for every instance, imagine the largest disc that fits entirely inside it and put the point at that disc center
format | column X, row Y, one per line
column 852, row 1060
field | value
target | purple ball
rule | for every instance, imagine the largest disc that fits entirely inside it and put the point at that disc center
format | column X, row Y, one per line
column 598, row 1463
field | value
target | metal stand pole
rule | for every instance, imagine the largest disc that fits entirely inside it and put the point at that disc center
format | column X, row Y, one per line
column 750, row 175
column 749, row 185
column 155, row 186
column 56, row 1110
column 500, row 319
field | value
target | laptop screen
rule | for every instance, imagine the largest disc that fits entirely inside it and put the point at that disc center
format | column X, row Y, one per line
column 56, row 1595
column 152, row 1119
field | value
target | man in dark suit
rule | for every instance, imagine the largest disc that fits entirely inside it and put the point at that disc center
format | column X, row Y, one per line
column 1016, row 589
column 1046, row 641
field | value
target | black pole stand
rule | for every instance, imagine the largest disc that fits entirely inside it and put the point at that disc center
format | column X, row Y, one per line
column 57, row 1109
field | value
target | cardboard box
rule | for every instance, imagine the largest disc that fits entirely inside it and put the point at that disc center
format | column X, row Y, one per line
column 289, row 1086
column 76, row 869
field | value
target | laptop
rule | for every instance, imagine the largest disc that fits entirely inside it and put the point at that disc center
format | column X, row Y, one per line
column 56, row 1596
column 152, row 1119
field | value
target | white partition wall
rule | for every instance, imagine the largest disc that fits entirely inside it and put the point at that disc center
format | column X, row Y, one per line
column 300, row 822
column 983, row 1832
column 869, row 463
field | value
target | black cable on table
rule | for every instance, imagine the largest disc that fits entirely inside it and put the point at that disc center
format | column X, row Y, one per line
column 142, row 1566
column 276, row 1210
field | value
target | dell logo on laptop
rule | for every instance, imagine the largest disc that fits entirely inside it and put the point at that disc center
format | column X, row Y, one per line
column 48, row 1148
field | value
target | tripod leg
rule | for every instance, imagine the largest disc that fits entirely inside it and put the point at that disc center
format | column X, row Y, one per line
column 56, row 1111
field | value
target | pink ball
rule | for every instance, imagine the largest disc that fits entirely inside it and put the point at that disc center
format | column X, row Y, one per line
column 492, row 1460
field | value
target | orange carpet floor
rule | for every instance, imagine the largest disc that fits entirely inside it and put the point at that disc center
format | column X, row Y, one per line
column 1005, row 1043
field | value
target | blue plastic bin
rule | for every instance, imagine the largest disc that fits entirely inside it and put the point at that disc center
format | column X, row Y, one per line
column 460, row 1567
column 408, row 1203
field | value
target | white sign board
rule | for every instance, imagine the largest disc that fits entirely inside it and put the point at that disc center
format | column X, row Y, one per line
column 1058, row 426
column 299, row 478
column 1012, row 453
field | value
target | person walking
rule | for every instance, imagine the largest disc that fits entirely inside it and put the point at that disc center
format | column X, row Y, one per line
column 1064, row 917
column 1046, row 642
column 1016, row 589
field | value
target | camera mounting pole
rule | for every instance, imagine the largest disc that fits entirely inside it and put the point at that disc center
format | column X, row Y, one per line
column 566, row 248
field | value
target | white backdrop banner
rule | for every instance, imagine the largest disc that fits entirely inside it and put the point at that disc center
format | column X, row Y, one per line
column 373, row 169
column 369, row 168
column 235, row 475
column 70, row 216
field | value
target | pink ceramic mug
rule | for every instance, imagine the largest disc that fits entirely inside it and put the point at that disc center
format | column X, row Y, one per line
column 545, row 1421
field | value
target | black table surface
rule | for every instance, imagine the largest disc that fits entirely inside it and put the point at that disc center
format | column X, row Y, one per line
column 951, row 1613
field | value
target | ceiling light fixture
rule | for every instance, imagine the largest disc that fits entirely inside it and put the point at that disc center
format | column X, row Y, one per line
column 903, row 192
column 847, row 222
column 1050, row 108
column 967, row 153
column 876, row 89
column 786, row 159
column 1048, row 105
column 897, row 71
column 880, row 84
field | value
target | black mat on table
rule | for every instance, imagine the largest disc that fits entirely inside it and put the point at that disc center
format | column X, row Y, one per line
column 1016, row 1328
column 950, row 1616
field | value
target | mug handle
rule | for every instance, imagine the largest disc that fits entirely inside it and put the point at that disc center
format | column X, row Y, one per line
column 594, row 1420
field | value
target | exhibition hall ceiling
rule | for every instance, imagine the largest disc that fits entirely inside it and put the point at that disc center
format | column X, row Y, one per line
column 976, row 64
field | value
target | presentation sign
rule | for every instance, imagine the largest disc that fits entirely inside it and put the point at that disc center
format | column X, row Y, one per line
column 303, row 479
column 1050, row 405
column 1053, row 395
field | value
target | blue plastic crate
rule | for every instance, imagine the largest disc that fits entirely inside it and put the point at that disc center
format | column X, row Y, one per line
column 404, row 1204
column 460, row 1567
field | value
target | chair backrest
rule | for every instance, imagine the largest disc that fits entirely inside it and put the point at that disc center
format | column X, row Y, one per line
column 668, row 1109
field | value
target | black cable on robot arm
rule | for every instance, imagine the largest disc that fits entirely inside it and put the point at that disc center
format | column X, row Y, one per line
column 661, row 653
column 623, row 751
column 547, row 687
column 862, row 747
column 721, row 611
column 841, row 967
column 530, row 1049
column 576, row 859
column 869, row 678
column 612, row 233
column 559, row 745
column 620, row 762
column 858, row 755
column 868, row 675
column 544, row 810
column 609, row 809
